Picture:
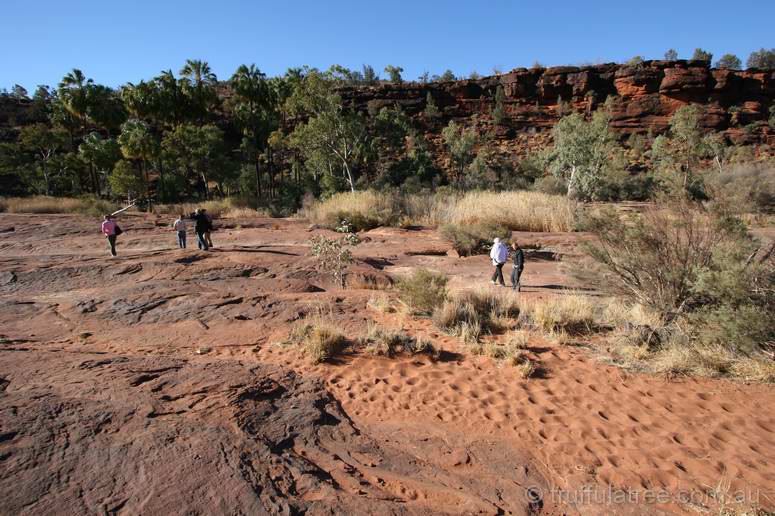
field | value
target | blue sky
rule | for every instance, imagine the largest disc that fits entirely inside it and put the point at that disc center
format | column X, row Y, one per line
column 116, row 42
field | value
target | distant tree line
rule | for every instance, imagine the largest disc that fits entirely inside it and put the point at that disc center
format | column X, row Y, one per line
column 271, row 140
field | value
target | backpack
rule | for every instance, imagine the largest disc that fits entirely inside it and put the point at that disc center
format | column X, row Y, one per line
column 118, row 230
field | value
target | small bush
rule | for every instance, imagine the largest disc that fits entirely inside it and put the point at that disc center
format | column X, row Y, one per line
column 747, row 187
column 511, row 350
column 423, row 291
column 705, row 285
column 319, row 341
column 550, row 185
column 385, row 342
column 332, row 255
column 469, row 240
column 367, row 281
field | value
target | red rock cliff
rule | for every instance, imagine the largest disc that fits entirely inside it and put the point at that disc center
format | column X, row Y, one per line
column 645, row 96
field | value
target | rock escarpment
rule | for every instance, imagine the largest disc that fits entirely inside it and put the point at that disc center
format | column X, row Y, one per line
column 643, row 97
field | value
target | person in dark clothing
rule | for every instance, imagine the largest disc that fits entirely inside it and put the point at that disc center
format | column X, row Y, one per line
column 201, row 226
column 209, row 228
column 517, row 266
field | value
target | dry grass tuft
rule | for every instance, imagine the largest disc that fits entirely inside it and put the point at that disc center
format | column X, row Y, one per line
column 423, row 291
column 388, row 342
column 471, row 313
column 219, row 209
column 365, row 281
column 318, row 340
column 518, row 339
column 518, row 210
column 511, row 349
column 573, row 314
column 44, row 204
column 640, row 341
column 526, row 368
column 381, row 302
column 363, row 210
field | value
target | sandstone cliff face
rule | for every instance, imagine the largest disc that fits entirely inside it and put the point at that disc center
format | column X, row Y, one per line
column 644, row 96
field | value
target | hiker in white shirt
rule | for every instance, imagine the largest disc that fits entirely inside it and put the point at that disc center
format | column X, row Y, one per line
column 180, row 226
column 499, row 255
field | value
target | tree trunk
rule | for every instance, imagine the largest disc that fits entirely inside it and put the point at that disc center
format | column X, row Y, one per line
column 147, row 184
column 206, row 188
column 93, row 177
column 258, row 184
column 349, row 176
column 45, row 178
column 572, row 183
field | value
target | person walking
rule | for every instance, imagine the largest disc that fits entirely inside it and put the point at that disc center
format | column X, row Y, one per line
column 180, row 226
column 499, row 254
column 111, row 231
column 201, row 225
column 209, row 228
column 518, row 264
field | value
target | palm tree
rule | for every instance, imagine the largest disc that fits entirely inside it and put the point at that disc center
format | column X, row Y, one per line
column 198, row 72
column 199, row 83
column 251, row 103
column 73, row 91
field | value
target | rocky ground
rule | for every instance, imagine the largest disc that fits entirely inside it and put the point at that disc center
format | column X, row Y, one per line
column 154, row 383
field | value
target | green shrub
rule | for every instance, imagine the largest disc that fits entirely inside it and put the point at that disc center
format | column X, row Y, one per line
column 423, row 291
column 706, row 279
column 550, row 185
column 746, row 187
column 332, row 255
column 473, row 239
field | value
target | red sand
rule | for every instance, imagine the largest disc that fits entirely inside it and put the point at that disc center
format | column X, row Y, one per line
column 460, row 435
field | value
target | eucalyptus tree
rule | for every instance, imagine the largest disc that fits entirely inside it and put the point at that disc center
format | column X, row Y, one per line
column 730, row 62
column 460, row 142
column 762, row 58
column 101, row 154
column 702, row 55
column 394, row 72
column 369, row 75
column 43, row 142
column 332, row 133
column 582, row 152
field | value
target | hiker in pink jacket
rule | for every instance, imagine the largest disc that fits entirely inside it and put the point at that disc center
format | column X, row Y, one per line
column 111, row 230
